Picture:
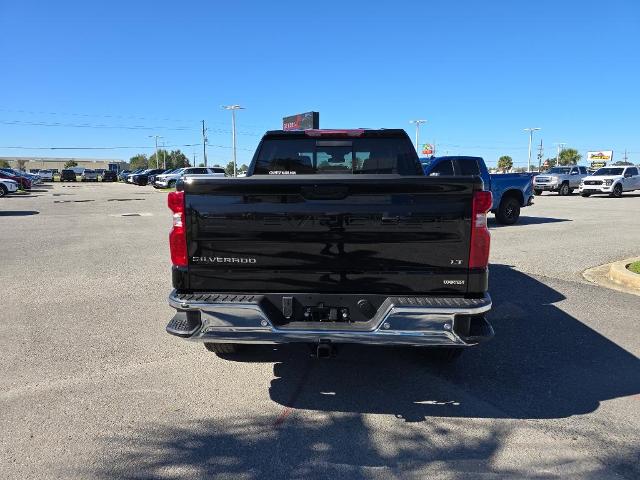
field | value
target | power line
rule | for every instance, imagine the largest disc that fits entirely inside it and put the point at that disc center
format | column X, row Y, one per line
column 122, row 127
column 121, row 117
column 15, row 147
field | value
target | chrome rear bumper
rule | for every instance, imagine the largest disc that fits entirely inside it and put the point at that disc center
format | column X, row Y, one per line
column 419, row 321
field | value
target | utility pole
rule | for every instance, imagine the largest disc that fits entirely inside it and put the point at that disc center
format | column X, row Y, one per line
column 540, row 152
column 233, row 109
column 560, row 147
column 625, row 158
column 157, row 159
column 530, row 130
column 204, row 144
column 418, row 123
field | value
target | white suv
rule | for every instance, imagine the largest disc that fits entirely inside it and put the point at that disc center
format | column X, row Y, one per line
column 611, row 180
column 7, row 186
column 169, row 180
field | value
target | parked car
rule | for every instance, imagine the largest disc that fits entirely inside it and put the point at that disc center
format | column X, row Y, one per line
column 142, row 178
column 611, row 180
column 46, row 175
column 89, row 175
column 313, row 247
column 109, row 176
column 33, row 179
column 152, row 178
column 170, row 180
column 23, row 182
column 34, row 170
column 122, row 176
column 563, row 180
column 510, row 191
column 7, row 186
column 67, row 175
column 129, row 177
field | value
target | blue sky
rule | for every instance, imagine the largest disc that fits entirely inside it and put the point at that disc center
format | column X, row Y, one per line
column 479, row 72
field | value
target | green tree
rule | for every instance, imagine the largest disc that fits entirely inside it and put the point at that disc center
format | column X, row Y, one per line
column 163, row 156
column 569, row 156
column 548, row 163
column 228, row 170
column 139, row 161
column 178, row 160
column 4, row 164
column 70, row 164
column 505, row 163
column 201, row 164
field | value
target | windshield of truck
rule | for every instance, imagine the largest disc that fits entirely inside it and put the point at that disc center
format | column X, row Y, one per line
column 303, row 156
column 560, row 170
column 609, row 171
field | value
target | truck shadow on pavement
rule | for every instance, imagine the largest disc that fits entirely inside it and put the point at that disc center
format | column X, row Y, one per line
column 524, row 220
column 543, row 363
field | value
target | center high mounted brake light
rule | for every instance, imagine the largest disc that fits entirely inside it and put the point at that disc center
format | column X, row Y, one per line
column 334, row 133
column 480, row 236
column 178, row 234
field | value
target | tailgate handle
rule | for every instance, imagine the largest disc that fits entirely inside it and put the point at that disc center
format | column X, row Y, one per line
column 325, row 192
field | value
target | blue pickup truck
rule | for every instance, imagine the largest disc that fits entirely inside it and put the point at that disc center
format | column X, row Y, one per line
column 511, row 191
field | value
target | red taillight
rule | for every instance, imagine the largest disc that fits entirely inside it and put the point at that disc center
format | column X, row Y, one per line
column 480, row 236
column 178, row 235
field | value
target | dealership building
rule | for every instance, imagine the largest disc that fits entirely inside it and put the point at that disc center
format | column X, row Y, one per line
column 49, row 163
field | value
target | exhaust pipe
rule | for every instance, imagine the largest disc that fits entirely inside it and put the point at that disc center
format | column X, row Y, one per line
column 324, row 350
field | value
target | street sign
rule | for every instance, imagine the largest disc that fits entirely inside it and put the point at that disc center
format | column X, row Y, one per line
column 599, row 158
column 427, row 149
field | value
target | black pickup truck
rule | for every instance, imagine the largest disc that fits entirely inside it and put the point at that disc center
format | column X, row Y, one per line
column 334, row 236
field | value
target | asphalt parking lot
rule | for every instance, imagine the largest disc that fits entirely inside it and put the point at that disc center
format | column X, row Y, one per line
column 93, row 387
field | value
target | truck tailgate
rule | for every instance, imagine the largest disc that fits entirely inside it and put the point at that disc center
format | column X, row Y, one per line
column 329, row 234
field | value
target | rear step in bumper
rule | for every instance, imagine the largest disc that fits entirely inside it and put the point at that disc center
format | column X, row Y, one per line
column 419, row 321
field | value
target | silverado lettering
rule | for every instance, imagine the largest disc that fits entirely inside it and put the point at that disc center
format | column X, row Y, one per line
column 222, row 260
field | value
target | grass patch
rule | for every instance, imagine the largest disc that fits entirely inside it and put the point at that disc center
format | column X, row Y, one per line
column 634, row 267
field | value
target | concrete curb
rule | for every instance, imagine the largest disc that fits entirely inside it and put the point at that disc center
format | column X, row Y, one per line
column 619, row 274
column 600, row 276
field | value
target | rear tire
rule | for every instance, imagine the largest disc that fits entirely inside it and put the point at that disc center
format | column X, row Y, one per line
column 509, row 211
column 585, row 195
column 537, row 191
column 444, row 355
column 3, row 190
column 223, row 348
column 171, row 184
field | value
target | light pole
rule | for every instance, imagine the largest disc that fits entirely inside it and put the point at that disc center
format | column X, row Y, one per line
column 530, row 130
column 418, row 123
column 156, row 137
column 233, row 109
